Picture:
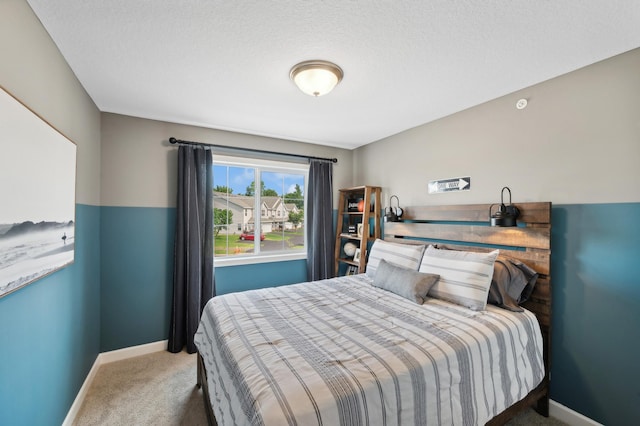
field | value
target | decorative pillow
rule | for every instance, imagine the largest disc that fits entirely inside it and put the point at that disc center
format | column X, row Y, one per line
column 512, row 283
column 407, row 255
column 465, row 277
column 408, row 283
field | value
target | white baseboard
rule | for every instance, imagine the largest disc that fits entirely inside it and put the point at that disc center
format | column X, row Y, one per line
column 568, row 416
column 82, row 393
column 133, row 351
column 105, row 358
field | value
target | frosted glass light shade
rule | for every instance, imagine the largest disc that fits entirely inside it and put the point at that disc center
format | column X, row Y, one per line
column 316, row 78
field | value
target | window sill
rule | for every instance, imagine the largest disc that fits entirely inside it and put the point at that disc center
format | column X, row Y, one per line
column 251, row 260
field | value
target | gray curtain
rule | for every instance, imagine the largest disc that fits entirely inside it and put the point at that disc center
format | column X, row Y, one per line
column 319, row 227
column 193, row 275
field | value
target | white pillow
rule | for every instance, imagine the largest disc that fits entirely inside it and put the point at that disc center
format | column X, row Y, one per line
column 406, row 255
column 465, row 277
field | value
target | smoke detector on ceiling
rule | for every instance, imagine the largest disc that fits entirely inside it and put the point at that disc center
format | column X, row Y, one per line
column 521, row 104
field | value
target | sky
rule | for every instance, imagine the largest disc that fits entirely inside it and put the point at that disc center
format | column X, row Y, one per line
column 238, row 178
column 37, row 167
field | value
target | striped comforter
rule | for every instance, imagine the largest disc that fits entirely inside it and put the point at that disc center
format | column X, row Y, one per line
column 342, row 352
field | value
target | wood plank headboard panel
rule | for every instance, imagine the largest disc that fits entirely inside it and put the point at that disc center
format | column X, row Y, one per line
column 467, row 227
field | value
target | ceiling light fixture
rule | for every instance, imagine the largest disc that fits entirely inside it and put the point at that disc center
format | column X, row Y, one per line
column 316, row 78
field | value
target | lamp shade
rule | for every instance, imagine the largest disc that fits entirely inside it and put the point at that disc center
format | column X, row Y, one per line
column 316, row 78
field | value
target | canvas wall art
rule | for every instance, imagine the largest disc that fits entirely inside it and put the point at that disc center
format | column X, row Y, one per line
column 37, row 197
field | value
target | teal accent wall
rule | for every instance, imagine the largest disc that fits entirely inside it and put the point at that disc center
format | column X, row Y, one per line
column 50, row 334
column 137, row 275
column 230, row 279
column 596, row 310
column 596, row 299
column 53, row 329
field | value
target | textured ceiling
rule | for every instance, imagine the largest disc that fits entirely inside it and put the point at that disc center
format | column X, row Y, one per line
column 225, row 64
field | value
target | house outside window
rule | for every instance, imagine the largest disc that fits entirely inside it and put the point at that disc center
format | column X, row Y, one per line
column 241, row 236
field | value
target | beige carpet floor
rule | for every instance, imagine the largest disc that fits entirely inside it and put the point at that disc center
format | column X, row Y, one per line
column 159, row 389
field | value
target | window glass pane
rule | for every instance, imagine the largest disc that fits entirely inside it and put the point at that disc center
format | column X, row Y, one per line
column 233, row 210
column 250, row 223
column 283, row 223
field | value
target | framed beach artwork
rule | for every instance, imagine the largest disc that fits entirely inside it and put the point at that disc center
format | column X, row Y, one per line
column 37, row 197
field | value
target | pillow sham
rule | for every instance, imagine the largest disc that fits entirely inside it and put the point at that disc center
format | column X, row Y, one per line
column 407, row 255
column 465, row 277
column 408, row 283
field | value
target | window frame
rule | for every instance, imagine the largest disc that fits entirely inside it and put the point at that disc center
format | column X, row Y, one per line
column 260, row 166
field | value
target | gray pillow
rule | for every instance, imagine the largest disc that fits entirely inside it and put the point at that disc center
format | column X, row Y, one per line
column 408, row 283
column 512, row 283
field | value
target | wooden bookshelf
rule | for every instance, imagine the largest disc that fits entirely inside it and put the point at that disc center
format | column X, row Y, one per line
column 358, row 207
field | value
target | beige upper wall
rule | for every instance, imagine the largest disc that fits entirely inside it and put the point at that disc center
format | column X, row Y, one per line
column 578, row 141
column 33, row 71
column 139, row 165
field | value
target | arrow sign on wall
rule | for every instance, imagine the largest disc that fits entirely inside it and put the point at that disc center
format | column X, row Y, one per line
column 448, row 185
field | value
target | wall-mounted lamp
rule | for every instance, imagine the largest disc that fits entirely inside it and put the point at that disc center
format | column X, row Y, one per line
column 506, row 215
column 316, row 78
column 393, row 214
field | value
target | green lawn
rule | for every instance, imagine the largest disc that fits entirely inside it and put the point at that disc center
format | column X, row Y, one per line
column 237, row 245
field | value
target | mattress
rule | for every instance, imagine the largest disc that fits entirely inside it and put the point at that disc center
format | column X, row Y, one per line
column 342, row 352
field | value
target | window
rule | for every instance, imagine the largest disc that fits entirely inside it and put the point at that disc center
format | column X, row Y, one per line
column 246, row 228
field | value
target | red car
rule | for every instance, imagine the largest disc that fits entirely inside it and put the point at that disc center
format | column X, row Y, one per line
column 249, row 236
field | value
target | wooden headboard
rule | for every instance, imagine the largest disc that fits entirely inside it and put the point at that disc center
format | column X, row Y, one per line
column 467, row 227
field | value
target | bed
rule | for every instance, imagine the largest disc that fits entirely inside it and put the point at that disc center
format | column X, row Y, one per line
column 355, row 350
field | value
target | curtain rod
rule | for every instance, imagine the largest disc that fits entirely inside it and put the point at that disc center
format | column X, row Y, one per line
column 174, row 141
